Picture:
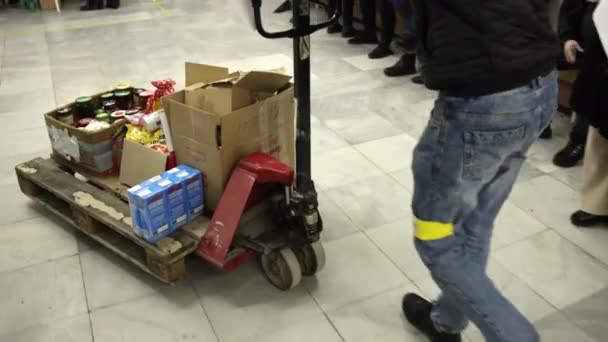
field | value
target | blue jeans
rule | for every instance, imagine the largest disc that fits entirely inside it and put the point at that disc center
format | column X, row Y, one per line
column 464, row 168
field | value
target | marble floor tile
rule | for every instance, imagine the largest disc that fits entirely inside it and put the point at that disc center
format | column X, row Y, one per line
column 339, row 167
column 590, row 315
column 327, row 68
column 357, row 130
column 19, row 206
column 557, row 328
column 318, row 329
column 514, row 224
column 246, row 297
column 341, row 283
column 102, row 271
column 554, row 209
column 171, row 316
column 71, row 329
column 336, row 224
column 390, row 154
column 396, row 240
column 573, row 176
column 373, row 201
column 364, row 63
column 40, row 294
column 323, row 138
column 555, row 268
column 405, row 177
column 378, row 318
column 34, row 241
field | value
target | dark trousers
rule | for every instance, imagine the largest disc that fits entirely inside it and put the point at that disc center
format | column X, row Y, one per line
column 388, row 17
column 580, row 129
column 368, row 11
column 332, row 5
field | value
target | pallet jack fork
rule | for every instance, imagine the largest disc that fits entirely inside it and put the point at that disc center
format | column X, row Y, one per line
column 292, row 248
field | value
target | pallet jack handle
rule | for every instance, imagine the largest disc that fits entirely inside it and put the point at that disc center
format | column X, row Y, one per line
column 300, row 33
column 257, row 15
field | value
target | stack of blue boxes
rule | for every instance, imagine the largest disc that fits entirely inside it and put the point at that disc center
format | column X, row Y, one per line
column 165, row 203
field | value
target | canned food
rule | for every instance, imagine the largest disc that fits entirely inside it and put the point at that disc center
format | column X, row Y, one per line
column 66, row 115
column 123, row 99
column 117, row 115
column 109, row 106
column 103, row 117
column 123, row 87
column 144, row 96
column 84, row 107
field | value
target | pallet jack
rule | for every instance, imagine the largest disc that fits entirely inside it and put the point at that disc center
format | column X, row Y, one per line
column 290, row 248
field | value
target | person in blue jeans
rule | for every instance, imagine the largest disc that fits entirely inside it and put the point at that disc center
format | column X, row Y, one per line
column 492, row 62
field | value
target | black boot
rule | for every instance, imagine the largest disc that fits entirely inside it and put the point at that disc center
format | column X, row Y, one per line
column 570, row 155
column 547, row 133
column 584, row 219
column 380, row 51
column 113, row 4
column 419, row 79
column 405, row 66
column 364, row 37
column 418, row 312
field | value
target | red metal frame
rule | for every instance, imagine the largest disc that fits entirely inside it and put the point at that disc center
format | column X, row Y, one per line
column 256, row 169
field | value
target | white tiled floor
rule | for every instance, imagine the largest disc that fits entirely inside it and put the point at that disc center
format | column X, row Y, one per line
column 58, row 286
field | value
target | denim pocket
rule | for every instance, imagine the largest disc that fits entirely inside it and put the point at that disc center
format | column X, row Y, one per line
column 484, row 151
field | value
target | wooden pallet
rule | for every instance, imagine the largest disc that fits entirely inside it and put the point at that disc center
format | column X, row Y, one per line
column 100, row 213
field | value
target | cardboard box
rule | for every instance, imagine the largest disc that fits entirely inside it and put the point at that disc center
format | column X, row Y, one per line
column 149, row 206
column 49, row 5
column 220, row 97
column 192, row 181
column 140, row 163
column 214, row 143
column 91, row 150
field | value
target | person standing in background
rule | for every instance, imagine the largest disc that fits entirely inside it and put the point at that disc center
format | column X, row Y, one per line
column 582, row 45
column 496, row 96
column 368, row 14
column 406, row 65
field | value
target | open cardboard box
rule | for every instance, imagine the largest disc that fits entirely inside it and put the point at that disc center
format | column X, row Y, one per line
column 214, row 143
column 140, row 163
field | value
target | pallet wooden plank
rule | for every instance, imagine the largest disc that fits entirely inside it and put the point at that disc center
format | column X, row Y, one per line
column 106, row 208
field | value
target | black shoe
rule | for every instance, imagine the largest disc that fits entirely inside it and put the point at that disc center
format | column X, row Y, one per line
column 286, row 6
column 570, row 155
column 364, row 38
column 418, row 79
column 380, row 51
column 349, row 32
column 405, row 66
column 417, row 310
column 335, row 28
column 583, row 219
column 547, row 133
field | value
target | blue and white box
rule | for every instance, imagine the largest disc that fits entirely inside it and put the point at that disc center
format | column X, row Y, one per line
column 176, row 194
column 149, row 206
column 193, row 184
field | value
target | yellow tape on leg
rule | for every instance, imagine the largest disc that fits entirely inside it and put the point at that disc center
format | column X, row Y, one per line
column 429, row 231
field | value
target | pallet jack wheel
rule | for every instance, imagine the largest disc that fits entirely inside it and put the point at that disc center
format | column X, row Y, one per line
column 311, row 258
column 282, row 269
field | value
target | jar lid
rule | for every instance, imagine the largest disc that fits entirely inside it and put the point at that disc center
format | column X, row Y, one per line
column 83, row 99
column 107, row 96
column 109, row 103
column 122, row 93
column 64, row 110
column 122, row 86
column 146, row 93
column 131, row 112
column 118, row 114
column 100, row 111
column 84, row 121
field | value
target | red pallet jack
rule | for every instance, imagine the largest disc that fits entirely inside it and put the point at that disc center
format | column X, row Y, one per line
column 291, row 246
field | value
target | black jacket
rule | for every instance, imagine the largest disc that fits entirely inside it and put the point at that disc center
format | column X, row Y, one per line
column 590, row 89
column 480, row 47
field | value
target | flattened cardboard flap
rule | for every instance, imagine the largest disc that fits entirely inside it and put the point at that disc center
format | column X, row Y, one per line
column 140, row 163
column 196, row 73
column 263, row 81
